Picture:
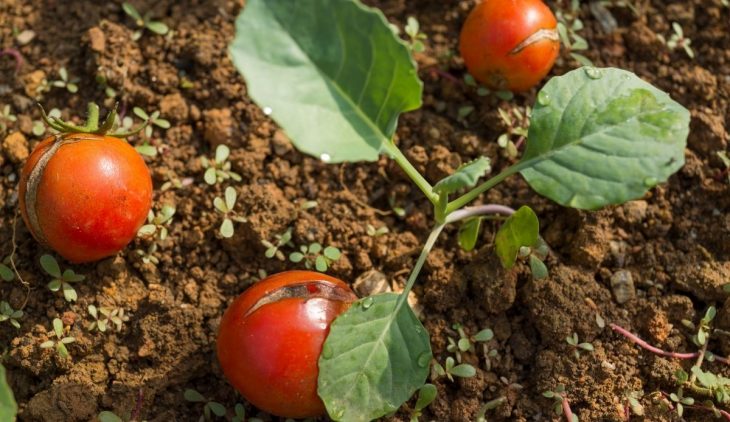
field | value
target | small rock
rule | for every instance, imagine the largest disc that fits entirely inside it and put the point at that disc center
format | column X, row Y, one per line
column 32, row 82
column 15, row 147
column 635, row 211
column 174, row 107
column 25, row 37
column 281, row 143
column 371, row 283
column 622, row 284
column 97, row 39
column 218, row 126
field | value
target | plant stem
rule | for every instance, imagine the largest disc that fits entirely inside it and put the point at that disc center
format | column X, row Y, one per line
column 397, row 155
column 12, row 260
column 641, row 343
column 474, row 193
column 419, row 264
column 566, row 409
column 700, row 358
column 15, row 54
column 478, row 210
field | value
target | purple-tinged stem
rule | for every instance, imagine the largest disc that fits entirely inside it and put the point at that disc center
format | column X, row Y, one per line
column 479, row 210
column 15, row 54
column 641, row 343
column 566, row 410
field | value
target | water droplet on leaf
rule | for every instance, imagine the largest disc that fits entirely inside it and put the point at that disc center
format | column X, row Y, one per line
column 424, row 359
column 594, row 73
column 325, row 157
column 268, row 110
column 543, row 98
column 367, row 302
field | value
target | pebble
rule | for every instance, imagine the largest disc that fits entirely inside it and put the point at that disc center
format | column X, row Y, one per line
column 371, row 282
column 622, row 284
column 15, row 147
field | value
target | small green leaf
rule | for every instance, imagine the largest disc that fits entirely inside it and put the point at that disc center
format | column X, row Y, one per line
column 315, row 248
column 520, row 229
column 6, row 273
column 193, row 396
column 484, row 335
column 140, row 113
column 107, row 416
column 230, row 198
column 469, row 233
column 50, row 265
column 226, row 229
column 538, row 268
column 58, row 327
column 146, row 149
column 70, row 276
column 146, row 230
column 131, row 11
column 158, row 28
column 220, row 205
column 602, row 136
column 222, row 152
column 320, row 263
column 464, row 344
column 374, row 359
column 217, row 408
column 339, row 103
column 296, row 257
column 464, row 177
column 8, row 406
column 332, row 253
column 426, row 395
column 54, row 285
column 69, row 293
column 210, row 176
column 586, row 346
column 463, row 370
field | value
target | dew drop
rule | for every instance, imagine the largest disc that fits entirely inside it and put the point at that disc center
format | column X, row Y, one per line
column 327, row 351
column 649, row 182
column 268, row 111
column 367, row 302
column 424, row 359
column 325, row 157
column 594, row 73
column 543, row 98
column 417, row 329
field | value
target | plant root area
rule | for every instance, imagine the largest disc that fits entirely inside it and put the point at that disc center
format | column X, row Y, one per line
column 668, row 253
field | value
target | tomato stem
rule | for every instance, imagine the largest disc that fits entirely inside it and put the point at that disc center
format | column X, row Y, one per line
column 92, row 123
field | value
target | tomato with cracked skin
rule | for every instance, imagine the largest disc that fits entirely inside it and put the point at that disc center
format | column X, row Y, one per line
column 509, row 44
column 271, row 336
column 85, row 195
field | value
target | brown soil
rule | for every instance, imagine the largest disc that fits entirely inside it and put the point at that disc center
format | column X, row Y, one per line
column 675, row 242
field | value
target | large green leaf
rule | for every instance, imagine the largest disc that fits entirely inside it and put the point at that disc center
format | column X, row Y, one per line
column 330, row 72
column 602, row 136
column 521, row 229
column 373, row 360
column 8, row 407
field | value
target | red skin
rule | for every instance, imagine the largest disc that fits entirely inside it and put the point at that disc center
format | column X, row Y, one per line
column 492, row 31
column 271, row 356
column 92, row 197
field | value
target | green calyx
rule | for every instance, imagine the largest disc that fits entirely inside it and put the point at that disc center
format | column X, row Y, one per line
column 92, row 123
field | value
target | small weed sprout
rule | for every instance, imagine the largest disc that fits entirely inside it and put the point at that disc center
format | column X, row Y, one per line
column 558, row 395
column 148, row 256
column 483, row 91
column 143, row 22
column 704, row 328
column 632, row 398
column 416, row 37
column 39, row 127
column 219, row 169
column 6, row 273
column 157, row 224
column 66, row 82
column 225, row 207
column 314, row 256
column 677, row 39
column 490, row 405
column 426, row 395
column 465, row 343
column 681, row 400
column 154, row 120
column 516, row 121
column 61, row 281
column 451, row 370
column 103, row 316
column 397, row 209
column 61, row 340
column 577, row 346
column 209, row 409
column 273, row 249
column 569, row 27
column 104, row 84
column 373, row 232
column 6, row 118
column 7, row 313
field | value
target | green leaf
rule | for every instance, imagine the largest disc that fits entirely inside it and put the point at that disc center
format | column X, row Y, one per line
column 146, row 149
column 320, row 263
column 538, row 268
column 226, row 229
column 50, row 265
column 520, row 229
column 296, row 257
column 54, row 285
column 131, row 11
column 469, row 233
column 210, row 176
column 332, row 253
column 146, row 230
column 193, row 396
column 6, row 273
column 463, row 370
column 426, row 395
column 373, row 360
column 8, row 406
column 465, row 176
column 107, row 416
column 330, row 72
column 484, row 335
column 230, row 198
column 222, row 152
column 157, row 27
column 217, row 408
column 69, row 293
column 70, row 276
column 602, row 136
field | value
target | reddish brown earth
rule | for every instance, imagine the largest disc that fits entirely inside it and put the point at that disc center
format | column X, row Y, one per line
column 675, row 242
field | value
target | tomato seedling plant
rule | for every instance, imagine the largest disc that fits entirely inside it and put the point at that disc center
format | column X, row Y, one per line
column 596, row 137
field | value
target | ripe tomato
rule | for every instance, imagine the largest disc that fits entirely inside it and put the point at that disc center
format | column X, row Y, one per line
column 84, row 195
column 509, row 44
column 271, row 336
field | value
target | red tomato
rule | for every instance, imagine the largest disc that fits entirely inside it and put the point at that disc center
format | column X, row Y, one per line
column 85, row 195
column 509, row 44
column 271, row 336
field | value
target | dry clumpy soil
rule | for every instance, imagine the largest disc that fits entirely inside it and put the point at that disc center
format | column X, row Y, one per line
column 674, row 243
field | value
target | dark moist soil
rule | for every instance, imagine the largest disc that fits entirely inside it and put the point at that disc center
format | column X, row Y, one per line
column 675, row 242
